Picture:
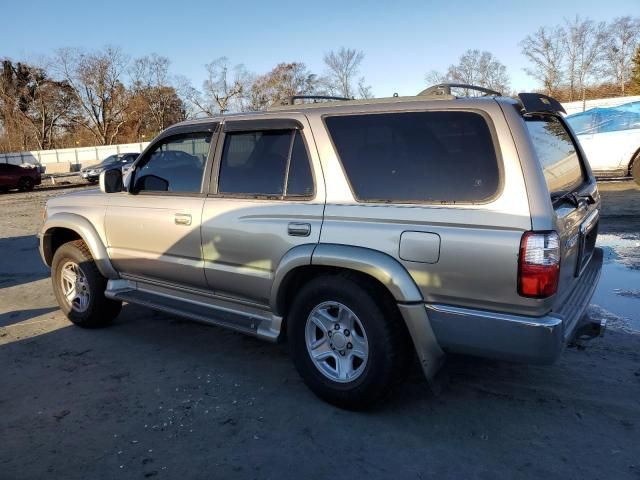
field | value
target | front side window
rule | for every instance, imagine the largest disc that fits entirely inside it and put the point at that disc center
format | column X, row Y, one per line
column 556, row 153
column 417, row 156
column 175, row 165
column 271, row 163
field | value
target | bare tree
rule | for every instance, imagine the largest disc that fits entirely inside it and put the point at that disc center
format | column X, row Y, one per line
column 281, row 83
column 544, row 51
column 96, row 80
column 474, row 68
column 584, row 43
column 623, row 34
column 364, row 90
column 151, row 82
column 224, row 89
column 435, row 77
column 343, row 68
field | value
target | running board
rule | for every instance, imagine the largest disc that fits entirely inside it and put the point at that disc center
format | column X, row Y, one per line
column 197, row 309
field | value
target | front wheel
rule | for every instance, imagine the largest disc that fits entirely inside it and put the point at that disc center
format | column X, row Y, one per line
column 26, row 184
column 79, row 287
column 347, row 343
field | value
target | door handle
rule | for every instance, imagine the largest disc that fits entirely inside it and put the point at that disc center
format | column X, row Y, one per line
column 296, row 229
column 182, row 219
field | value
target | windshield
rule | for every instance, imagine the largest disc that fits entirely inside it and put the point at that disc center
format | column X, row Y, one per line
column 556, row 153
column 111, row 159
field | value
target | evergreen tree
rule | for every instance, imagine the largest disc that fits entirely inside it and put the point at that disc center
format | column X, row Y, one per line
column 635, row 73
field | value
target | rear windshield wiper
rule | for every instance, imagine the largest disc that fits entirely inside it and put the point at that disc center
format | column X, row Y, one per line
column 586, row 196
column 576, row 199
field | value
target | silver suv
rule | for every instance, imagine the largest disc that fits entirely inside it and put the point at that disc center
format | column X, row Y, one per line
column 363, row 231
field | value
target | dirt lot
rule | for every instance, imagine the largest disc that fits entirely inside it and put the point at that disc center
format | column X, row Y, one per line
column 153, row 396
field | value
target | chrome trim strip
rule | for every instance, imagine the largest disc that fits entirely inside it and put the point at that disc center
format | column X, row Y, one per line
column 590, row 221
column 545, row 321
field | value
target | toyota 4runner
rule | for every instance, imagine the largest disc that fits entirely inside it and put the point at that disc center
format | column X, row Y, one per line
column 366, row 232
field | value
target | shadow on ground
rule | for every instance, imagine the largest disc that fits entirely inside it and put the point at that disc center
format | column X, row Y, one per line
column 17, row 316
column 20, row 262
column 152, row 395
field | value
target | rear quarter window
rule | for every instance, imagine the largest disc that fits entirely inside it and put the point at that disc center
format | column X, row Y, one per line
column 417, row 156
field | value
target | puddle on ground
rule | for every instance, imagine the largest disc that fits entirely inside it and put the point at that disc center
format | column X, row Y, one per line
column 617, row 297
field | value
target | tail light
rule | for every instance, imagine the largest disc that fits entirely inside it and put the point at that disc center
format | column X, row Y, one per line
column 539, row 264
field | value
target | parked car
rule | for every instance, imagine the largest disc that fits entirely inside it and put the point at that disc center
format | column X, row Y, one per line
column 362, row 231
column 121, row 160
column 22, row 177
column 610, row 138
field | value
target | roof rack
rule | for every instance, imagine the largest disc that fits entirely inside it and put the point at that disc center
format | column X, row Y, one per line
column 445, row 89
column 315, row 98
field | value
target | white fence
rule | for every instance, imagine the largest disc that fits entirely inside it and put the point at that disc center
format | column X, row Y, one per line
column 575, row 107
column 70, row 159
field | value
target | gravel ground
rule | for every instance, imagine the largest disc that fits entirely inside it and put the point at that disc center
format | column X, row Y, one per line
column 154, row 396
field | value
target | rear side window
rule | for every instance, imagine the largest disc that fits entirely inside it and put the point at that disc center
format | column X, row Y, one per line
column 556, row 153
column 417, row 156
column 300, row 180
column 270, row 163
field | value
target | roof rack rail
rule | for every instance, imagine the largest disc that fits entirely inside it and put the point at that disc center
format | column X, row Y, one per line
column 445, row 89
column 293, row 98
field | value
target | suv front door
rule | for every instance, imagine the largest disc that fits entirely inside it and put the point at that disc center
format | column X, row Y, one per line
column 266, row 198
column 153, row 231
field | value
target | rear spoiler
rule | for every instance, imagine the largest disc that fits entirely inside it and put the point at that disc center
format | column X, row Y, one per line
column 539, row 103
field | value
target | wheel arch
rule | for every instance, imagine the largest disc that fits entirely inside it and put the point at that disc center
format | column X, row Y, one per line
column 635, row 157
column 305, row 260
column 386, row 276
column 63, row 227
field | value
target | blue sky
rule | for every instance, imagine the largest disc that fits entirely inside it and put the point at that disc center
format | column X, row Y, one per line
column 402, row 40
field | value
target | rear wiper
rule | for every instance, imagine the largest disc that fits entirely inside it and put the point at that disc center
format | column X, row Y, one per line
column 567, row 197
column 587, row 196
column 574, row 198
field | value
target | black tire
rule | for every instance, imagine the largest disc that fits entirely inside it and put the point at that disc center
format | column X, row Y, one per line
column 100, row 310
column 635, row 169
column 26, row 184
column 386, row 334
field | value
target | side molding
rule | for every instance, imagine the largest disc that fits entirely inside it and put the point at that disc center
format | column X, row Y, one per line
column 87, row 232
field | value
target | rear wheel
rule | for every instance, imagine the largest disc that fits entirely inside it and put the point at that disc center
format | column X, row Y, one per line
column 25, row 184
column 635, row 169
column 79, row 287
column 346, row 343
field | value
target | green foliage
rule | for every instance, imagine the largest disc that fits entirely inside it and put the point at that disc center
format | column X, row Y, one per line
column 635, row 73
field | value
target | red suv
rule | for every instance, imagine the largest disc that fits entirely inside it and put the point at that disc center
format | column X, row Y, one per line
column 18, row 176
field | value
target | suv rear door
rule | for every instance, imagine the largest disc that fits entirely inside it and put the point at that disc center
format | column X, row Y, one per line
column 266, row 198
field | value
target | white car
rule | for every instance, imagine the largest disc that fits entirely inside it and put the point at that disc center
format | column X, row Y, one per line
column 610, row 137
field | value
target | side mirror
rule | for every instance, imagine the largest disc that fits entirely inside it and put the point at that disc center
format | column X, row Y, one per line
column 127, row 175
column 111, row 181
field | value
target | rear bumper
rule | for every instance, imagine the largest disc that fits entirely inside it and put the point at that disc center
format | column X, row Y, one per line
column 515, row 337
